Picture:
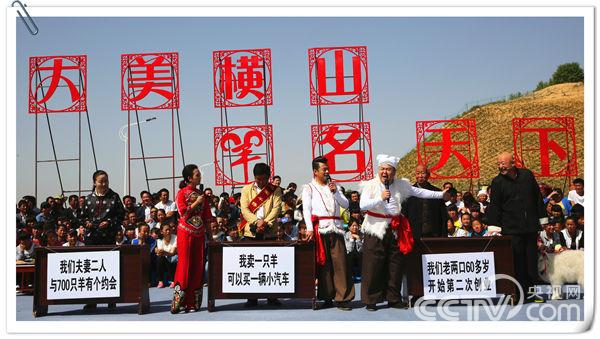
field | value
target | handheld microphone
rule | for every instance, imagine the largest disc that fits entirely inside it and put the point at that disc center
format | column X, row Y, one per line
column 328, row 180
column 387, row 187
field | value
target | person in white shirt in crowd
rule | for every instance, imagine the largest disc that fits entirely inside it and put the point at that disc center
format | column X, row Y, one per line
column 571, row 237
column 73, row 240
column 145, row 206
column 25, row 248
column 576, row 196
column 482, row 199
column 383, row 263
column 354, row 244
column 170, row 207
column 455, row 232
column 166, row 252
column 322, row 199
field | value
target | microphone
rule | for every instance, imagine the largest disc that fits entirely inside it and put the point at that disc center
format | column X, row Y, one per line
column 387, row 187
column 328, row 180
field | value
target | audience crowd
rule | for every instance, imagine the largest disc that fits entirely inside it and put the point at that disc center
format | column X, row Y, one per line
column 62, row 221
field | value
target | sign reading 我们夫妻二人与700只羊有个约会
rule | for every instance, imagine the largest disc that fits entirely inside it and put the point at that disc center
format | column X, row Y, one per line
column 258, row 270
column 77, row 275
column 459, row 275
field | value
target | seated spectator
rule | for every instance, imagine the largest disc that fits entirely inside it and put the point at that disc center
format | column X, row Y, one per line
column 233, row 235
column 454, row 199
column 557, row 212
column 477, row 229
column 23, row 214
column 155, row 233
column 298, row 216
column 468, row 200
column 25, row 248
column 557, row 198
column 580, row 222
column 302, row 236
column 453, row 215
column 144, row 237
column 166, row 253
column 482, row 199
column 129, row 235
column 169, row 207
column 73, row 240
column 354, row 241
column 145, row 206
column 288, row 230
column 161, row 218
column 455, row 232
column 120, row 238
column 465, row 222
column 559, row 224
column 62, row 231
column 215, row 232
column 52, row 238
column 571, row 237
column 36, row 234
column 46, row 213
column 475, row 211
column 153, row 220
column 548, row 238
column 576, row 195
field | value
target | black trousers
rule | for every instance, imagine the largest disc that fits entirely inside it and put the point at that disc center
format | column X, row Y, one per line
column 524, row 247
column 383, row 266
column 164, row 266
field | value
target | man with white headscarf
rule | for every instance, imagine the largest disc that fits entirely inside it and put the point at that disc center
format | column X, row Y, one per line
column 383, row 260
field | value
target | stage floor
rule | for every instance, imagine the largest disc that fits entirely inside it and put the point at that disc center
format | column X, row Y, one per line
column 291, row 310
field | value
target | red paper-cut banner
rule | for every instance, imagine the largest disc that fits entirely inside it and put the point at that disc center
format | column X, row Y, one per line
column 347, row 147
column 330, row 83
column 241, row 147
column 547, row 142
column 57, row 84
column 242, row 78
column 446, row 144
column 149, row 81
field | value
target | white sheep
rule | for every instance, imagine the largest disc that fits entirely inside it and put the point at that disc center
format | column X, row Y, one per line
column 561, row 268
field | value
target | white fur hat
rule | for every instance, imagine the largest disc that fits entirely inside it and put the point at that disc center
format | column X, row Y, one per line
column 384, row 159
column 482, row 192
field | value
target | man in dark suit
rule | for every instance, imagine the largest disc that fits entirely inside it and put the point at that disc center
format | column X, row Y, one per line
column 516, row 205
column 427, row 217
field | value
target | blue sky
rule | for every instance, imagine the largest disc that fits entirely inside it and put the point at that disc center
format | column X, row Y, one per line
column 419, row 69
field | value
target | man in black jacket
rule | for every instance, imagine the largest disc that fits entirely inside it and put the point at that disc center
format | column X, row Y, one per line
column 427, row 217
column 516, row 205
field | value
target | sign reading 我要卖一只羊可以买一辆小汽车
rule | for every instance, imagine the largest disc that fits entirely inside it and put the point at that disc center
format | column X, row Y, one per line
column 78, row 275
column 258, row 270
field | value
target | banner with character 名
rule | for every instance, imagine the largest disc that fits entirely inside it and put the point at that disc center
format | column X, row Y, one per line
column 78, row 275
column 459, row 275
column 258, row 270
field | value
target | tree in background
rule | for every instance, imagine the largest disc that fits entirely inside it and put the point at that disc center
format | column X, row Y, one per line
column 570, row 72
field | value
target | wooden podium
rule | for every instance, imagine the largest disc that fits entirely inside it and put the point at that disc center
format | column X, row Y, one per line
column 304, row 262
column 134, row 270
column 503, row 259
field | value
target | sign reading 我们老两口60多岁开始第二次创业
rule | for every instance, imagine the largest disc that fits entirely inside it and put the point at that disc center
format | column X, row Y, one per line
column 258, row 270
column 78, row 275
column 459, row 275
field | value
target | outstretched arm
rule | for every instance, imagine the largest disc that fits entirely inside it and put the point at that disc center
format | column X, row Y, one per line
column 425, row 194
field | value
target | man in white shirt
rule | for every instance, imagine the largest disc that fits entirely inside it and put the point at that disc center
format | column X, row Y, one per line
column 321, row 201
column 576, row 196
column 169, row 206
column 383, row 263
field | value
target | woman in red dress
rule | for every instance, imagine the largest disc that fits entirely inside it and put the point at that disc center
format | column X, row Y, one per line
column 194, row 211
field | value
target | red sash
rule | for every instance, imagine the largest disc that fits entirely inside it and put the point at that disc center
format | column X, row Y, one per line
column 319, row 248
column 401, row 224
column 257, row 202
